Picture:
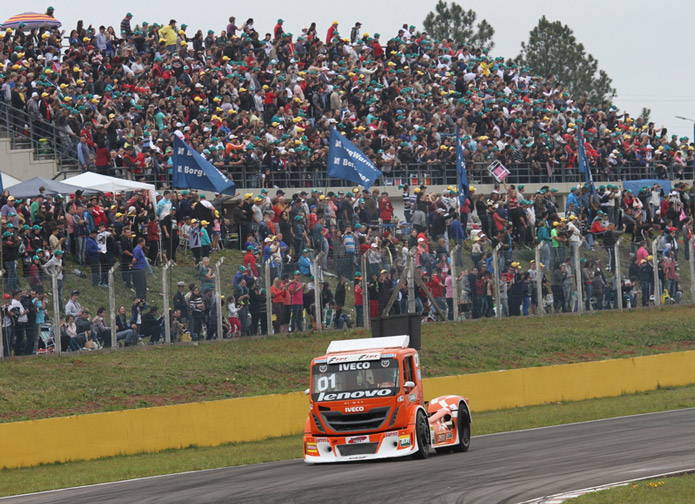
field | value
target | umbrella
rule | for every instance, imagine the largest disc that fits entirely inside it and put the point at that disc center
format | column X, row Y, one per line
column 31, row 20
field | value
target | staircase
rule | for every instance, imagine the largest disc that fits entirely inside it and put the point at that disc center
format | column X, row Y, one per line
column 25, row 154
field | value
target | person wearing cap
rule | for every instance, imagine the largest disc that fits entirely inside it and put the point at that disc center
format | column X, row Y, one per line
column 194, row 240
column 10, row 255
column 179, row 301
column 305, row 265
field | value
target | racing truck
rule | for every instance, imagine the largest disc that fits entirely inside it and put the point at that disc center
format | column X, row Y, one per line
column 366, row 402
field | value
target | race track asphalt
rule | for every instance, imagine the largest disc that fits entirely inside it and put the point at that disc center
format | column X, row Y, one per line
column 508, row 467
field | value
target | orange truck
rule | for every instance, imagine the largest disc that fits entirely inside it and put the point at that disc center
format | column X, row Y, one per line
column 366, row 402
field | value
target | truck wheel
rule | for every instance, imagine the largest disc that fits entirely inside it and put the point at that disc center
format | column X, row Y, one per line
column 422, row 433
column 463, row 425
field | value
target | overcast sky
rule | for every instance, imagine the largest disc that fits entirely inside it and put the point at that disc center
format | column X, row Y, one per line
column 644, row 46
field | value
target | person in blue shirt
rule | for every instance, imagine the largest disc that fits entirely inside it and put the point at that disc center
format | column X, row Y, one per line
column 138, row 268
column 93, row 257
column 572, row 198
column 305, row 265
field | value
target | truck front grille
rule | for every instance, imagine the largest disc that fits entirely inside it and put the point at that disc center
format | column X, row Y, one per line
column 355, row 422
column 347, row 450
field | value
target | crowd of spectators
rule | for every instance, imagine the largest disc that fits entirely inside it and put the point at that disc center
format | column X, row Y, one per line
column 267, row 101
column 239, row 98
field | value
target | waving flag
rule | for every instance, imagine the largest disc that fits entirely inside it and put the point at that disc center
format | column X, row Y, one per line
column 347, row 162
column 192, row 171
column 584, row 164
column 461, row 172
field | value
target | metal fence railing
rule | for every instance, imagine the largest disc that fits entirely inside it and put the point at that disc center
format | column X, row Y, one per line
column 47, row 141
column 218, row 299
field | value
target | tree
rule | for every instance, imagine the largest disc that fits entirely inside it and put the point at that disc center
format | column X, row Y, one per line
column 553, row 50
column 646, row 112
column 452, row 22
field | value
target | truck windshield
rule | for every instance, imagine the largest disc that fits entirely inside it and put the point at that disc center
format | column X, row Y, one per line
column 354, row 380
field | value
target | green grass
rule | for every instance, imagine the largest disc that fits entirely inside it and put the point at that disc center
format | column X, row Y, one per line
column 49, row 386
column 671, row 490
column 49, row 476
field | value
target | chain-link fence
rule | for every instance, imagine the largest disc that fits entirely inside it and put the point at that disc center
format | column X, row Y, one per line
column 338, row 283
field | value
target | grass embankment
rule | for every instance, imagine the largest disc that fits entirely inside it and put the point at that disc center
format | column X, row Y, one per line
column 671, row 490
column 103, row 381
column 50, row 476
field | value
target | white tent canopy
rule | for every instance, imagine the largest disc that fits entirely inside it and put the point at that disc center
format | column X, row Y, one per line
column 9, row 180
column 104, row 183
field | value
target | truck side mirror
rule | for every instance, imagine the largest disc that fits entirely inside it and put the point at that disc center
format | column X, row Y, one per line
column 307, row 391
column 409, row 385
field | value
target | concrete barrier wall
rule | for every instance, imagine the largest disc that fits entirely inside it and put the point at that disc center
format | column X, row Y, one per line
column 96, row 435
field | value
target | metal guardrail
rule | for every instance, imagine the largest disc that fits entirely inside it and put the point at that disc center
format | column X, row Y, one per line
column 45, row 139
column 49, row 142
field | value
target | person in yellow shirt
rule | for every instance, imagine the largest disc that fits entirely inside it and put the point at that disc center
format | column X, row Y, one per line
column 168, row 34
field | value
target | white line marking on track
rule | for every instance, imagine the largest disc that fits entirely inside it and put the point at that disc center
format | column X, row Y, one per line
column 562, row 497
column 221, row 468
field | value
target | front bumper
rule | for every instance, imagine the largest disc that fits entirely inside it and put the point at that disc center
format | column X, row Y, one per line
column 389, row 444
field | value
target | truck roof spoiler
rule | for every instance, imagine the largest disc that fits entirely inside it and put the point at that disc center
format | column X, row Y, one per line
column 368, row 344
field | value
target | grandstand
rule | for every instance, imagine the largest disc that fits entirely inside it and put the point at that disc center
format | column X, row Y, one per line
column 260, row 108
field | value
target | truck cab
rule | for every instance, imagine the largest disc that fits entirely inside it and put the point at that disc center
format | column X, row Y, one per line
column 366, row 402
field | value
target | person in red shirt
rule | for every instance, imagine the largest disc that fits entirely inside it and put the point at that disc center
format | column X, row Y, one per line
column 250, row 261
column 277, row 293
column 377, row 50
column 296, row 292
column 386, row 208
column 153, row 239
column 333, row 30
column 436, row 287
column 359, row 300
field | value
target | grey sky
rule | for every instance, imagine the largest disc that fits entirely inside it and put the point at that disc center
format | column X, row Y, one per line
column 643, row 45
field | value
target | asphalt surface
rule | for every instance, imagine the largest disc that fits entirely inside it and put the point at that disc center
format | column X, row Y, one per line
column 508, row 467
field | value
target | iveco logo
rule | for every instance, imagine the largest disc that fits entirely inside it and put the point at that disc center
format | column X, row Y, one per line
column 354, row 409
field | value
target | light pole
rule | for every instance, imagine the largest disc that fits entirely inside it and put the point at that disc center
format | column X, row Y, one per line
column 682, row 118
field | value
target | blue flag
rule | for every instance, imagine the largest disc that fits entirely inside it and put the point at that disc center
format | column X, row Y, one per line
column 584, row 164
column 347, row 162
column 192, row 171
column 461, row 172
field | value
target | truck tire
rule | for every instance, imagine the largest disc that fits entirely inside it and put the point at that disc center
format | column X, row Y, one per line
column 463, row 425
column 422, row 434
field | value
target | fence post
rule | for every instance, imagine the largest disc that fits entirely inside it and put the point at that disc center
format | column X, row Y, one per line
column 365, row 291
column 165, row 302
column 454, row 282
column 112, row 305
column 218, row 298
column 691, row 244
column 411, row 281
column 496, row 279
column 655, row 265
column 539, row 280
column 268, row 297
column 618, row 274
column 578, row 276
column 317, row 292
column 56, row 314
